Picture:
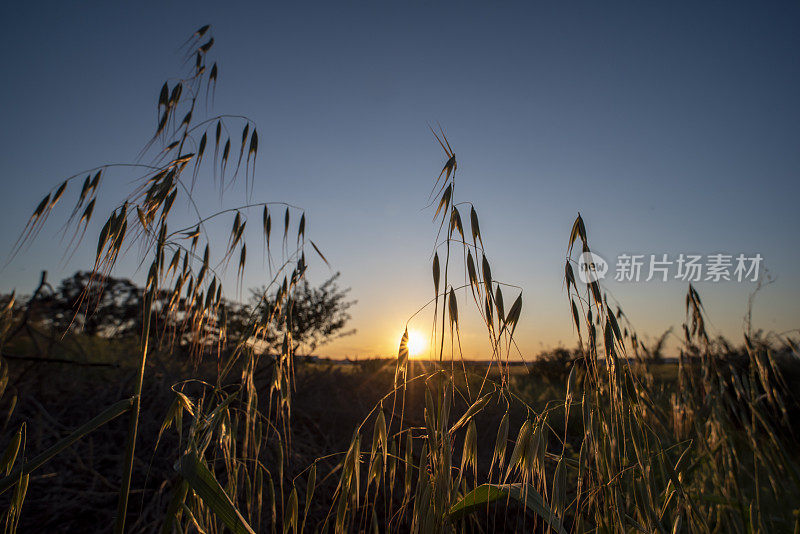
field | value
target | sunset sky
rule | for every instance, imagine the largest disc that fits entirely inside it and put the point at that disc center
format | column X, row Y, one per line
column 673, row 129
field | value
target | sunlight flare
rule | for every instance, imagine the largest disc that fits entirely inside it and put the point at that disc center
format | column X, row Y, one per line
column 416, row 343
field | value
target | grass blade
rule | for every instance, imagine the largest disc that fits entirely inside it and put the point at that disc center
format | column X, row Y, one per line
column 487, row 493
column 114, row 411
column 202, row 481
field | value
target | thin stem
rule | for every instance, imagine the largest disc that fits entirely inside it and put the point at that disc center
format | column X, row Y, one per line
column 130, row 446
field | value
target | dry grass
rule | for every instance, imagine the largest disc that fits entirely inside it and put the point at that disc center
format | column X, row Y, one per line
column 234, row 443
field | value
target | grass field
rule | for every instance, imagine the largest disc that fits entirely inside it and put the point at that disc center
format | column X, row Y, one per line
column 185, row 430
column 77, row 491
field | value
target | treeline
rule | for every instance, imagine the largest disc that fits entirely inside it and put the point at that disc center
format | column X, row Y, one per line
column 86, row 304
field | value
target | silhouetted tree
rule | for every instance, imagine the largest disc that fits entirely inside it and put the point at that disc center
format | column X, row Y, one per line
column 314, row 316
column 94, row 306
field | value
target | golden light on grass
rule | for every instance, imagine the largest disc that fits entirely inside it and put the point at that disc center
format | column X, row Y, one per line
column 417, row 344
column 668, row 425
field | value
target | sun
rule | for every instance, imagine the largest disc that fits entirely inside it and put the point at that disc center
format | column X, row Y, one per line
column 416, row 343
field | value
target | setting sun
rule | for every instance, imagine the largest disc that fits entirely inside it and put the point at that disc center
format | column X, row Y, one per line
column 416, row 343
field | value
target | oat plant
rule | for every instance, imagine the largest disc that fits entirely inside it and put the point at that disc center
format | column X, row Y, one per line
column 185, row 269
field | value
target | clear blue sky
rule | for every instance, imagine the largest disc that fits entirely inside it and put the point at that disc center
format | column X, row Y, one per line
column 671, row 127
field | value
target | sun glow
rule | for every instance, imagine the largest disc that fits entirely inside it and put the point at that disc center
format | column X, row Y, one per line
column 416, row 343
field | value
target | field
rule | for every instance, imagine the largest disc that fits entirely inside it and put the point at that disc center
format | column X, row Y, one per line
column 210, row 420
column 77, row 491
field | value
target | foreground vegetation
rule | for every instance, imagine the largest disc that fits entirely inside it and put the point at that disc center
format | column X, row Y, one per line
column 223, row 436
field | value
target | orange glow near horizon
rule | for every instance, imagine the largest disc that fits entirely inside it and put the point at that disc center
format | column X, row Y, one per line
column 416, row 343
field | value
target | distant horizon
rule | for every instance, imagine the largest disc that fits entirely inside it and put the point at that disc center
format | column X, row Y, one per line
column 670, row 349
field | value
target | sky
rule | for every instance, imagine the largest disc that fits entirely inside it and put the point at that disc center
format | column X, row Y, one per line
column 673, row 128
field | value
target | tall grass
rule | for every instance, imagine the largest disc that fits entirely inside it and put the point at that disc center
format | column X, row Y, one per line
column 181, row 281
column 620, row 451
